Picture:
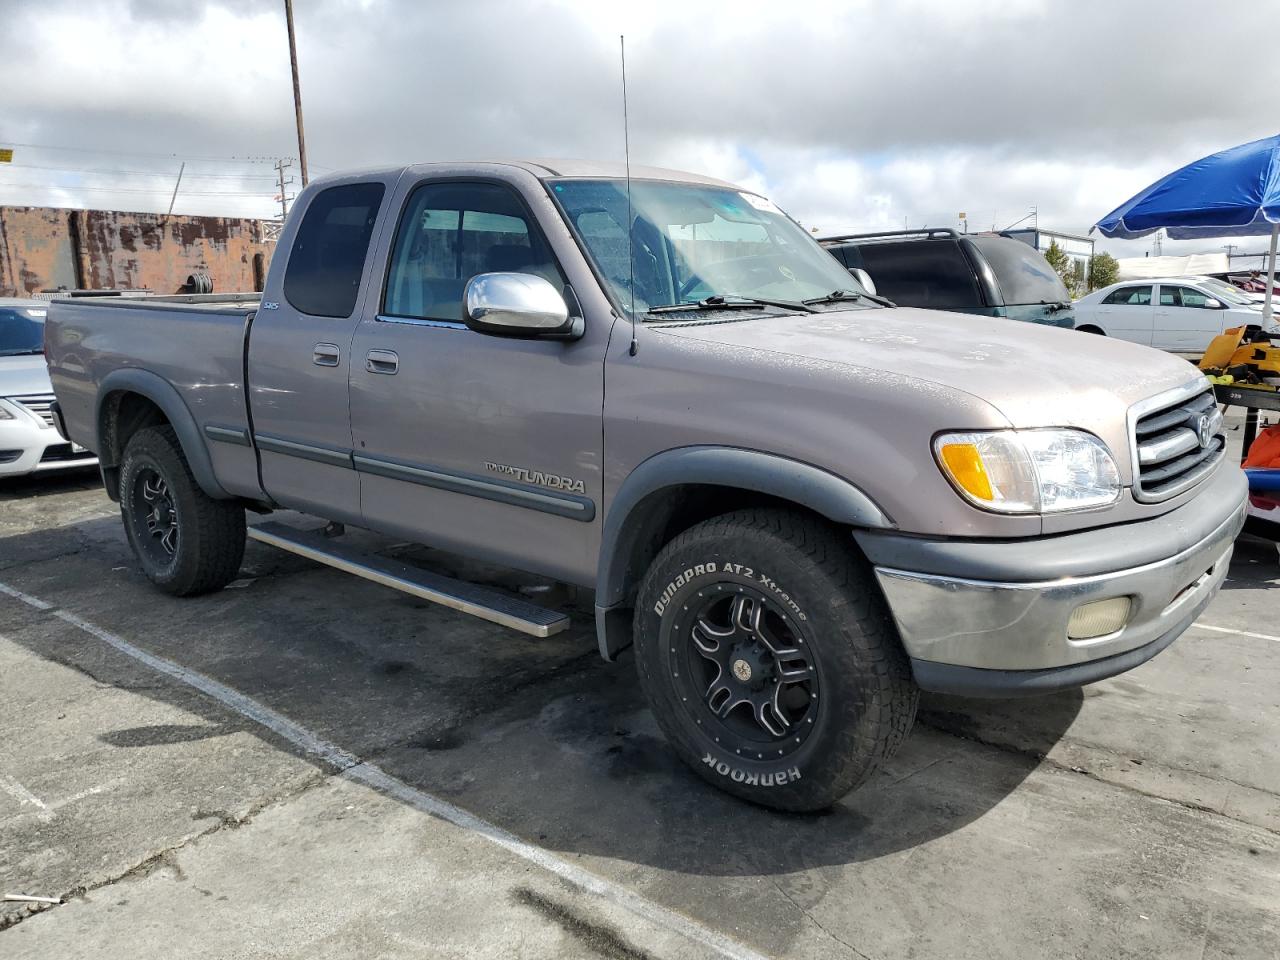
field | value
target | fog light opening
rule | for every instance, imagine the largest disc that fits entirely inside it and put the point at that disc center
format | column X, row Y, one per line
column 1097, row 619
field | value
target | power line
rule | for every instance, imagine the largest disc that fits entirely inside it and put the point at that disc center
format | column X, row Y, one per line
column 135, row 153
column 139, row 173
column 163, row 191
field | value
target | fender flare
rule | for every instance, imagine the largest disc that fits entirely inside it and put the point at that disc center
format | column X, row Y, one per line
column 163, row 394
column 626, row 522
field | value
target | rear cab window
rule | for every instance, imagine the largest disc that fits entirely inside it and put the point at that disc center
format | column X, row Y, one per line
column 329, row 252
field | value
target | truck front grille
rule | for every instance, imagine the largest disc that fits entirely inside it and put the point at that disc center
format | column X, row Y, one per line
column 1176, row 444
column 38, row 404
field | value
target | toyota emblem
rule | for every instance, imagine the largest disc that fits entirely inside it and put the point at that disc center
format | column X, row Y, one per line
column 1204, row 430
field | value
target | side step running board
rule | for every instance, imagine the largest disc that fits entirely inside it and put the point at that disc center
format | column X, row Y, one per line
column 469, row 598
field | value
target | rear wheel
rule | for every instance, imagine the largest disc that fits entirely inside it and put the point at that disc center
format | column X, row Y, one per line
column 186, row 542
column 770, row 660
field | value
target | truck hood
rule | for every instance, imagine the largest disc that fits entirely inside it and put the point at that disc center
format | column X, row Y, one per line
column 1034, row 375
column 24, row 376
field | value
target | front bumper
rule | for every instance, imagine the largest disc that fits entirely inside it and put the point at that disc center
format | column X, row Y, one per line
column 990, row 618
column 29, row 445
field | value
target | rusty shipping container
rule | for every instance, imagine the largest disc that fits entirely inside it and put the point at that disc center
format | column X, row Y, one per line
column 47, row 248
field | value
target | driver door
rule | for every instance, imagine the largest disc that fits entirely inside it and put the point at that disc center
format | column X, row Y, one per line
column 484, row 444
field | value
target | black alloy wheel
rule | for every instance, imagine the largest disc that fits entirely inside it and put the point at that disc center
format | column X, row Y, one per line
column 156, row 515
column 744, row 670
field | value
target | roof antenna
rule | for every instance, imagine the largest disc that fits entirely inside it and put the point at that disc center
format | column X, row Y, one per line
column 626, row 141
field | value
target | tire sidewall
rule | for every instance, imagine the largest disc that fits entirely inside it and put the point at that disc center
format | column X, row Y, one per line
column 809, row 776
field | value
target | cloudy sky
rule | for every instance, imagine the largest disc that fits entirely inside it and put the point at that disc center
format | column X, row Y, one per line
column 852, row 115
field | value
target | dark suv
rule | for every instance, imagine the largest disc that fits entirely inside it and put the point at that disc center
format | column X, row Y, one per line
column 986, row 274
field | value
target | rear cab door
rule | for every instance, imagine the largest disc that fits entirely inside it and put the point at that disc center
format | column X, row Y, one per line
column 299, row 354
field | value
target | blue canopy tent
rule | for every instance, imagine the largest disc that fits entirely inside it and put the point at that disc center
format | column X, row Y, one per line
column 1233, row 193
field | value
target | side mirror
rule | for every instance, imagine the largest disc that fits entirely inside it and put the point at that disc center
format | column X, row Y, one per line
column 864, row 279
column 1212, row 304
column 517, row 305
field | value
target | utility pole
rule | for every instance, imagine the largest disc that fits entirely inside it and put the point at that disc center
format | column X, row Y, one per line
column 174, row 198
column 281, row 166
column 1230, row 248
column 297, row 90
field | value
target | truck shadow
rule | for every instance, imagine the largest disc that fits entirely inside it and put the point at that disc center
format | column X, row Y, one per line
column 537, row 736
column 1255, row 563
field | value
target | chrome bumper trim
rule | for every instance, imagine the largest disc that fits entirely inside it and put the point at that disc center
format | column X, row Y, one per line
column 1023, row 626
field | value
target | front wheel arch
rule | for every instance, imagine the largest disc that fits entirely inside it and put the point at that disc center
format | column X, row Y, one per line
column 673, row 490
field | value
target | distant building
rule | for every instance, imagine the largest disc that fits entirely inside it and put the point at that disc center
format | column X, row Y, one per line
column 1079, row 249
column 50, row 248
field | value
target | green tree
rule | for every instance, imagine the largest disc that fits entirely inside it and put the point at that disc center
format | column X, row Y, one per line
column 1103, row 271
column 1071, row 272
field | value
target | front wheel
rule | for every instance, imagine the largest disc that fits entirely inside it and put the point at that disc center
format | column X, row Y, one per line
column 770, row 660
column 186, row 542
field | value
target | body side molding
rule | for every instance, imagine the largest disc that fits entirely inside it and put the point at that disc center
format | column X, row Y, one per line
column 501, row 491
column 232, row 435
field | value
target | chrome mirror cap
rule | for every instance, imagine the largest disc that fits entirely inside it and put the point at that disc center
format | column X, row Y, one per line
column 514, row 304
column 864, row 278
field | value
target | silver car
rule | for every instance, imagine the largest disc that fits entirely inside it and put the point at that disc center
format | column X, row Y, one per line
column 28, row 441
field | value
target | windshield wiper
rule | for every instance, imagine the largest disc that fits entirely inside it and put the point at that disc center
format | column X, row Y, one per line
column 850, row 296
column 732, row 302
column 20, row 353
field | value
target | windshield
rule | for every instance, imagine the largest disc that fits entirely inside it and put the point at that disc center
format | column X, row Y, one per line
column 691, row 242
column 1226, row 292
column 1022, row 273
column 21, row 330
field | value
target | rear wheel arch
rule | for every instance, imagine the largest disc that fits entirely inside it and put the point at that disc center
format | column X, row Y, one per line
column 675, row 490
column 130, row 400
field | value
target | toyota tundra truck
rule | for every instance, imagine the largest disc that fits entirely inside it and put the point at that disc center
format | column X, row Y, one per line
column 799, row 503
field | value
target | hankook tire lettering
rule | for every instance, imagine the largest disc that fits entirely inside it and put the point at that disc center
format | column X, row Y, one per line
column 779, row 779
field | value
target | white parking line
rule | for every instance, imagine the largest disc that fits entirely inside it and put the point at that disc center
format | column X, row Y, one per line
column 352, row 768
column 24, row 796
column 25, row 597
column 1238, row 633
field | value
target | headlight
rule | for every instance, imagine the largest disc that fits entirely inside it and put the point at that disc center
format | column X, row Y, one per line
column 5, row 412
column 1029, row 471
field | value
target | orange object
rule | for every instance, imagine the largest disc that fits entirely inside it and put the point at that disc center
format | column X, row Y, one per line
column 1221, row 348
column 1264, row 452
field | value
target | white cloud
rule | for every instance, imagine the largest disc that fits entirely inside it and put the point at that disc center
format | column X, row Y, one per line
column 852, row 115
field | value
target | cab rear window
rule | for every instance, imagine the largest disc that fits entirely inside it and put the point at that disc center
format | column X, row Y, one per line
column 328, row 255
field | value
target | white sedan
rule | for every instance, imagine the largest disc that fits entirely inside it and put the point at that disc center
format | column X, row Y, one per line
column 29, row 443
column 1173, row 313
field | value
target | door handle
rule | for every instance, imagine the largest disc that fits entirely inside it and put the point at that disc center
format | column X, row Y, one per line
column 326, row 355
column 382, row 361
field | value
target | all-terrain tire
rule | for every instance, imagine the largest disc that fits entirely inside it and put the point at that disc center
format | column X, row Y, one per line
column 810, row 595
column 187, row 542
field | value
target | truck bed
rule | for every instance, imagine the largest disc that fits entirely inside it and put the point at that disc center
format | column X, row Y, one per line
column 98, row 349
